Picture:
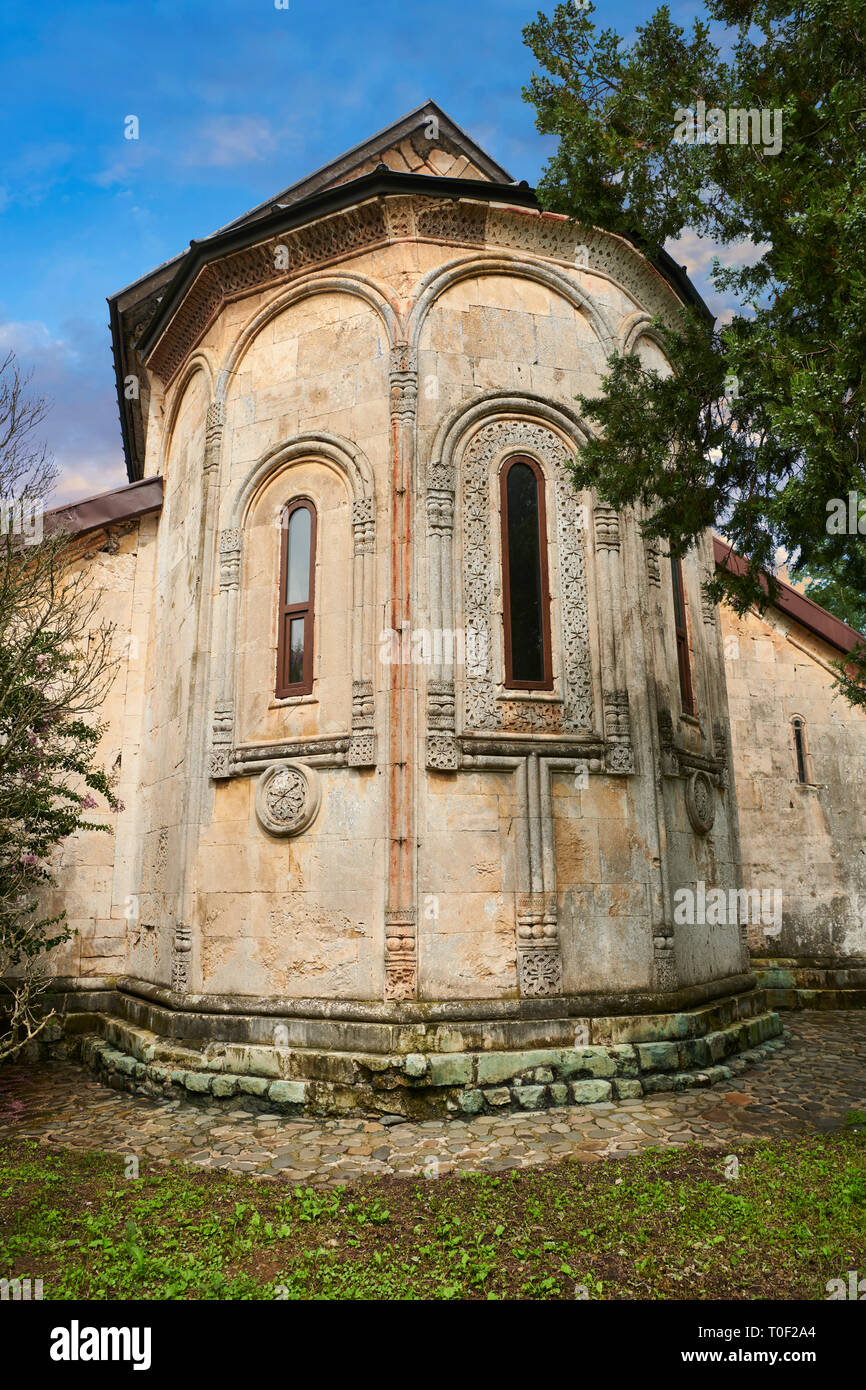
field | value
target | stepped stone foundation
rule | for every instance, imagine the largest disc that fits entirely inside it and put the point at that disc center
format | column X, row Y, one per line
column 813, row 982
column 414, row 1068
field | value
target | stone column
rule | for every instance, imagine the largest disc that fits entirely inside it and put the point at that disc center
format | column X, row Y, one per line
column 442, row 752
column 401, row 962
column 617, row 722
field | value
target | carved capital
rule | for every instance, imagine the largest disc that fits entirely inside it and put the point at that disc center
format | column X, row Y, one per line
column 213, row 434
column 230, row 557
column 440, row 511
column 401, row 981
column 653, row 561
column 404, row 380
column 606, row 528
column 181, row 948
column 364, row 525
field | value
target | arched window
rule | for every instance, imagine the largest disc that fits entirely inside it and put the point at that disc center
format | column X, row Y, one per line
column 682, row 634
column 526, row 595
column 297, row 585
column 798, row 726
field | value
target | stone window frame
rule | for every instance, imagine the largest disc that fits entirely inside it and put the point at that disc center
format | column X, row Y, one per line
column 683, row 641
column 802, row 759
column 510, row 682
column 287, row 613
column 231, row 756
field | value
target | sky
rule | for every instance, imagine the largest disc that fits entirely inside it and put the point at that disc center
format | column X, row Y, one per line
column 235, row 99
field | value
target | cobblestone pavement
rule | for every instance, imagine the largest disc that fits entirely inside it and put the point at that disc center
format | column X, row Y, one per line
column 808, row 1085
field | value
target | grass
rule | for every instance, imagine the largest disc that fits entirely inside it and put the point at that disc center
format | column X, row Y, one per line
column 662, row 1225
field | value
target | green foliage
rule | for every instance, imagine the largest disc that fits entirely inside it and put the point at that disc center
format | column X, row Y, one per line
column 763, row 459
column 658, row 1225
column 55, row 668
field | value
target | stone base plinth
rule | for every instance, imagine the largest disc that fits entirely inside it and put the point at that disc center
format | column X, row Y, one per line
column 457, row 1067
column 811, row 982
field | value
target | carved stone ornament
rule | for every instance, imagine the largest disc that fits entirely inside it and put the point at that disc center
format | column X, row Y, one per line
column 701, row 802
column 287, row 798
column 482, row 709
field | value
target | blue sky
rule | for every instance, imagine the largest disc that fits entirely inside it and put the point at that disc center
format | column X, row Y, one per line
column 235, row 100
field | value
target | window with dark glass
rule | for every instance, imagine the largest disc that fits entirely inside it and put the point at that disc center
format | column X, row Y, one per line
column 526, row 596
column 682, row 635
column 297, row 579
column 799, row 727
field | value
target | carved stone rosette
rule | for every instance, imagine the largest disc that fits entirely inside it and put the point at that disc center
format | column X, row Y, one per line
column 700, row 802
column 539, row 958
column 401, row 960
column 287, row 798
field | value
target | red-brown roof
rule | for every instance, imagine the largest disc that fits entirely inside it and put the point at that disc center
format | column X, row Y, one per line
column 125, row 503
column 795, row 605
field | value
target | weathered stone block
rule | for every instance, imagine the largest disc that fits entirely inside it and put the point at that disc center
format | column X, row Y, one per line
column 559, row 1093
column 253, row 1085
column 454, row 1069
column 471, row 1102
column 658, row 1056
column 224, row 1086
column 590, row 1092
column 287, row 1092
column 626, row 1089
column 498, row 1096
column 502, row 1066
column 529, row 1097
column 415, row 1064
column 586, row 1061
column 197, row 1082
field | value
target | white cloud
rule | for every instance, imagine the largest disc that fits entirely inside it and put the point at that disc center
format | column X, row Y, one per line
column 223, row 141
column 72, row 369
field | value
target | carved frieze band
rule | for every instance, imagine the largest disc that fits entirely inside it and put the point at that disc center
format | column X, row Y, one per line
column 378, row 221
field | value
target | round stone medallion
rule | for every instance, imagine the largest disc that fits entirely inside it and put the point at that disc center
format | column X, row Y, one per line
column 701, row 802
column 287, row 798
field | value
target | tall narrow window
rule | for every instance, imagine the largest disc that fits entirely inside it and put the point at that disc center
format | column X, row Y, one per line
column 799, row 727
column 682, row 634
column 297, row 582
column 526, row 596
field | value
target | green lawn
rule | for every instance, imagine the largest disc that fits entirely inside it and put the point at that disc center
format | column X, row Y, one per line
column 663, row 1225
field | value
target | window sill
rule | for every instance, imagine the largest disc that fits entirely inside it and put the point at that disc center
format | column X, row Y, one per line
column 289, row 701
column 551, row 697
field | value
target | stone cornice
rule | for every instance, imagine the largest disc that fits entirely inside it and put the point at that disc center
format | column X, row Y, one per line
column 453, row 212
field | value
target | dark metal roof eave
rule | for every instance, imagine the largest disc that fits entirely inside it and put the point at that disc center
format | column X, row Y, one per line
column 346, row 195
column 127, row 503
column 123, row 405
column 793, row 604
